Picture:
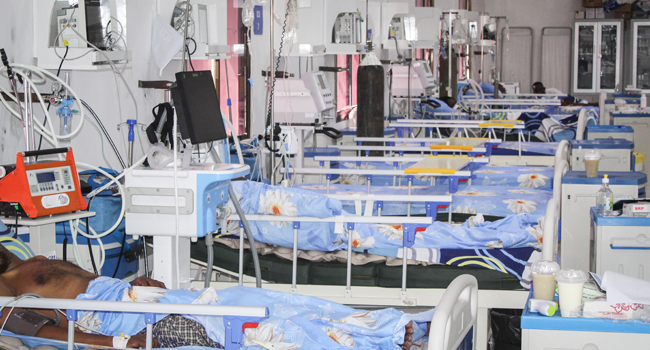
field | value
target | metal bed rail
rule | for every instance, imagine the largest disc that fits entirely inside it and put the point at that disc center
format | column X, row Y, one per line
column 349, row 224
column 454, row 179
column 234, row 316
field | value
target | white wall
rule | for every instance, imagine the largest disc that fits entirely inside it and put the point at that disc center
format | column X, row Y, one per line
column 535, row 14
column 97, row 88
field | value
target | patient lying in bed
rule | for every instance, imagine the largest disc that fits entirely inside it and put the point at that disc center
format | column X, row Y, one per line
column 295, row 321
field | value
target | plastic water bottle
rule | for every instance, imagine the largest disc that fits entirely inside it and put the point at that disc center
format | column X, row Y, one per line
column 604, row 198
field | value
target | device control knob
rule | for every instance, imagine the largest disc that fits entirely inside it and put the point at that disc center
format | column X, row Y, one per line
column 63, row 200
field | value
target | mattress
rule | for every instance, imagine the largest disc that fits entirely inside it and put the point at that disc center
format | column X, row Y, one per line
column 279, row 270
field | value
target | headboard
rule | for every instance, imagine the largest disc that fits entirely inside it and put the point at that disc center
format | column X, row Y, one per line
column 456, row 314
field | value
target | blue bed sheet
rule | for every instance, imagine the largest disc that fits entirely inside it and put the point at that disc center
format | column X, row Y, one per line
column 487, row 200
column 527, row 149
column 487, row 175
column 254, row 198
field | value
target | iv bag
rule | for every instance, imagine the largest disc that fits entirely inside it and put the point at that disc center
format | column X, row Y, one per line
column 290, row 34
column 247, row 14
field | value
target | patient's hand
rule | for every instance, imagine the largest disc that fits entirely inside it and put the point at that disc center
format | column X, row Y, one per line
column 408, row 336
column 147, row 282
column 140, row 341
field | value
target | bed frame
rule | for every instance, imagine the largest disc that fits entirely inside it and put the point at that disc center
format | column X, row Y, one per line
column 454, row 319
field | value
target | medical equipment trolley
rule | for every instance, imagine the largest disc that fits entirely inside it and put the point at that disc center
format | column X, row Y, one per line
column 641, row 124
column 620, row 244
column 578, row 196
column 539, row 332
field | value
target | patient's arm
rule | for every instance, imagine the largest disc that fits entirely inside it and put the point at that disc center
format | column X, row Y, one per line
column 59, row 333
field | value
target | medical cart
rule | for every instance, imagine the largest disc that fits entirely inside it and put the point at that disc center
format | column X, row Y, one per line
column 578, row 196
column 620, row 244
column 541, row 332
column 595, row 132
column 616, row 155
column 641, row 124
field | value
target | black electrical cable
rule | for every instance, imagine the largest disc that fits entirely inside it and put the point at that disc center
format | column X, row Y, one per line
column 119, row 258
column 273, row 79
column 58, row 71
column 65, row 244
column 90, row 247
column 189, row 54
column 110, row 140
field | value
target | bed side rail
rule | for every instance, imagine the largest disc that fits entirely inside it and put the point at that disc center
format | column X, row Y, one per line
column 563, row 152
column 456, row 315
column 349, row 224
column 560, row 169
column 550, row 238
column 236, row 315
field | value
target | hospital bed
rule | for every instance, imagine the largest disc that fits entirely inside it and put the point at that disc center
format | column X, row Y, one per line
column 454, row 321
column 350, row 294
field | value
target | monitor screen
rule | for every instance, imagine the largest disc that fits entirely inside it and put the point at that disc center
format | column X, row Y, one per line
column 321, row 82
column 197, row 105
column 45, row 177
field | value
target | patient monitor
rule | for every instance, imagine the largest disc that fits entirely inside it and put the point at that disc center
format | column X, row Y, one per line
column 303, row 100
column 423, row 83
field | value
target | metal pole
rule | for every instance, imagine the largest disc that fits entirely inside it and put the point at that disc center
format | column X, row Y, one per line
column 187, row 22
column 30, row 113
column 271, row 77
column 26, row 117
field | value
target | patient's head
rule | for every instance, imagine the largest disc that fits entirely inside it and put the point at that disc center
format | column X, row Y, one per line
column 450, row 101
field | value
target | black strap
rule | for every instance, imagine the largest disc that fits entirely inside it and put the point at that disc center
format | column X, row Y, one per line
column 166, row 134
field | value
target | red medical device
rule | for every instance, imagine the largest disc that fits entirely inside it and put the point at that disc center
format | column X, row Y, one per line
column 42, row 188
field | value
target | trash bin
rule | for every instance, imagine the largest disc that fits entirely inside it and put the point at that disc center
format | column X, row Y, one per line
column 506, row 329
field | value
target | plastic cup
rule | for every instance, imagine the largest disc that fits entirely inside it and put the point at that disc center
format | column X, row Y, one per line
column 544, row 279
column 592, row 159
column 570, row 284
column 544, row 286
column 570, row 296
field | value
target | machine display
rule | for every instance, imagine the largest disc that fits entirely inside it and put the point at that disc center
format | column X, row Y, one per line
column 40, row 189
column 197, row 106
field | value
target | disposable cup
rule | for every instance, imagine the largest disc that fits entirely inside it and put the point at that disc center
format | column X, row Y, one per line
column 544, row 286
column 544, row 279
column 592, row 158
column 591, row 165
column 570, row 296
column 569, row 287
